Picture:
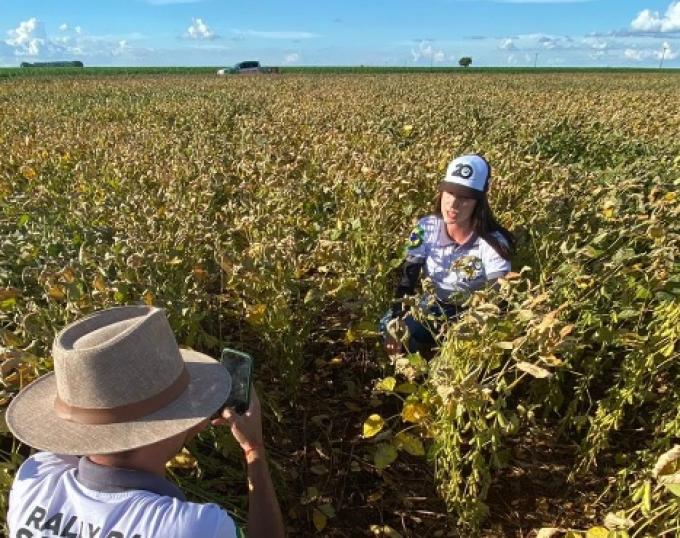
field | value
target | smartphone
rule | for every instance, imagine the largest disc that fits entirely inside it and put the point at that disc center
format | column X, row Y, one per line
column 240, row 368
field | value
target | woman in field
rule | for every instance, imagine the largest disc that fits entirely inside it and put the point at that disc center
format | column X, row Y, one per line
column 460, row 248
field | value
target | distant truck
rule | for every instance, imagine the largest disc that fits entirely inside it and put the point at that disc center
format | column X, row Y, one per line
column 250, row 67
column 53, row 64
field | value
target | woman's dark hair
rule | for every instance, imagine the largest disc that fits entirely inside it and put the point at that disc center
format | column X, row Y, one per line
column 484, row 224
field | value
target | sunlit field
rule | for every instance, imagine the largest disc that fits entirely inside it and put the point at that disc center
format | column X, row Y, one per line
column 269, row 213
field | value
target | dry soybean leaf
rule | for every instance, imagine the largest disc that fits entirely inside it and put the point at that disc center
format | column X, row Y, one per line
column 567, row 330
column 504, row 345
column 409, row 443
column 373, row 425
column 386, row 385
column 319, row 519
column 533, row 370
column 384, row 456
column 617, row 521
column 597, row 532
column 549, row 532
column 668, row 462
column 414, row 413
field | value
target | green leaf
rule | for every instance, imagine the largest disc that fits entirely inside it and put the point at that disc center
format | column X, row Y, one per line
column 384, row 455
column 409, row 443
column 673, row 488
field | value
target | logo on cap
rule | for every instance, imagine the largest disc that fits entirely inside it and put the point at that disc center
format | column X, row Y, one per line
column 463, row 171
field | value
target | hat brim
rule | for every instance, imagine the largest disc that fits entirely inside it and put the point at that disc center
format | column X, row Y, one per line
column 32, row 419
column 460, row 190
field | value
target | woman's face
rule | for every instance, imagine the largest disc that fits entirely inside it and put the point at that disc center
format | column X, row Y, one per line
column 457, row 209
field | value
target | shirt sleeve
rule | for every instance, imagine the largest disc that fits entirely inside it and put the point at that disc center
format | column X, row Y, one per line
column 420, row 239
column 495, row 266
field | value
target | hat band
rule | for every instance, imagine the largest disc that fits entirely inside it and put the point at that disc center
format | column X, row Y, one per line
column 123, row 413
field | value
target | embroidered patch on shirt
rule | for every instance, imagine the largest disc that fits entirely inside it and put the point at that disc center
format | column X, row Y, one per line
column 416, row 238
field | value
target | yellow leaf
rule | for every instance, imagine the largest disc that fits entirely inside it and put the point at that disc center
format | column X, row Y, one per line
column 56, row 293
column 597, row 532
column 99, row 283
column 373, row 425
column 183, row 460
column 407, row 129
column 409, row 443
column 414, row 412
column 28, row 172
column 386, row 385
column 533, row 370
column 148, row 298
column 320, row 520
column 255, row 314
column 384, row 456
column 384, row 530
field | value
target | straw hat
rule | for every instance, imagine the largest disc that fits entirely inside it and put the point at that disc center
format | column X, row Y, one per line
column 120, row 382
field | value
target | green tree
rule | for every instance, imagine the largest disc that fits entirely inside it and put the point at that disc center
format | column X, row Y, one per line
column 465, row 61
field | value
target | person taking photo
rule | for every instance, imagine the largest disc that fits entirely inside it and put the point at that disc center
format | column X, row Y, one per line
column 122, row 401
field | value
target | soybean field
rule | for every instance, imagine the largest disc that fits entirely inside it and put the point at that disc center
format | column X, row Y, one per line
column 270, row 214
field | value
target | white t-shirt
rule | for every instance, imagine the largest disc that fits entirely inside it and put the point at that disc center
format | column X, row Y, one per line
column 453, row 267
column 47, row 500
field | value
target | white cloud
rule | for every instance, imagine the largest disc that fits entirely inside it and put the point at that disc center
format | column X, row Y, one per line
column 291, row 58
column 507, row 44
column 199, row 30
column 63, row 27
column 28, row 39
column 78, row 30
column 276, row 34
column 426, row 51
column 639, row 55
column 652, row 21
column 595, row 43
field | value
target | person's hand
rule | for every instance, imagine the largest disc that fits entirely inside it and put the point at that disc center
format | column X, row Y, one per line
column 246, row 428
column 392, row 345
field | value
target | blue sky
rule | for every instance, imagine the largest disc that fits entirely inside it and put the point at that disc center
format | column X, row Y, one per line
column 317, row 32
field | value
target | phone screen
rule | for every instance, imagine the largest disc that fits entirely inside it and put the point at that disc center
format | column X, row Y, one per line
column 240, row 367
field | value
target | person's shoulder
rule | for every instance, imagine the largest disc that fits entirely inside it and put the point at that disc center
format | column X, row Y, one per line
column 429, row 226
column 429, row 221
column 498, row 236
column 197, row 519
column 45, row 463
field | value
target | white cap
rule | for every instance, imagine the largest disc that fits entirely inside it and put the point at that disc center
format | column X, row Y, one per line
column 467, row 175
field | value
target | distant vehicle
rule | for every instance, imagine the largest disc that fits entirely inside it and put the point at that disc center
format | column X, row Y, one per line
column 53, row 64
column 250, row 67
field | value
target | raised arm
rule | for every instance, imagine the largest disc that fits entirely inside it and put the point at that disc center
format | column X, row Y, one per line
column 264, row 514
